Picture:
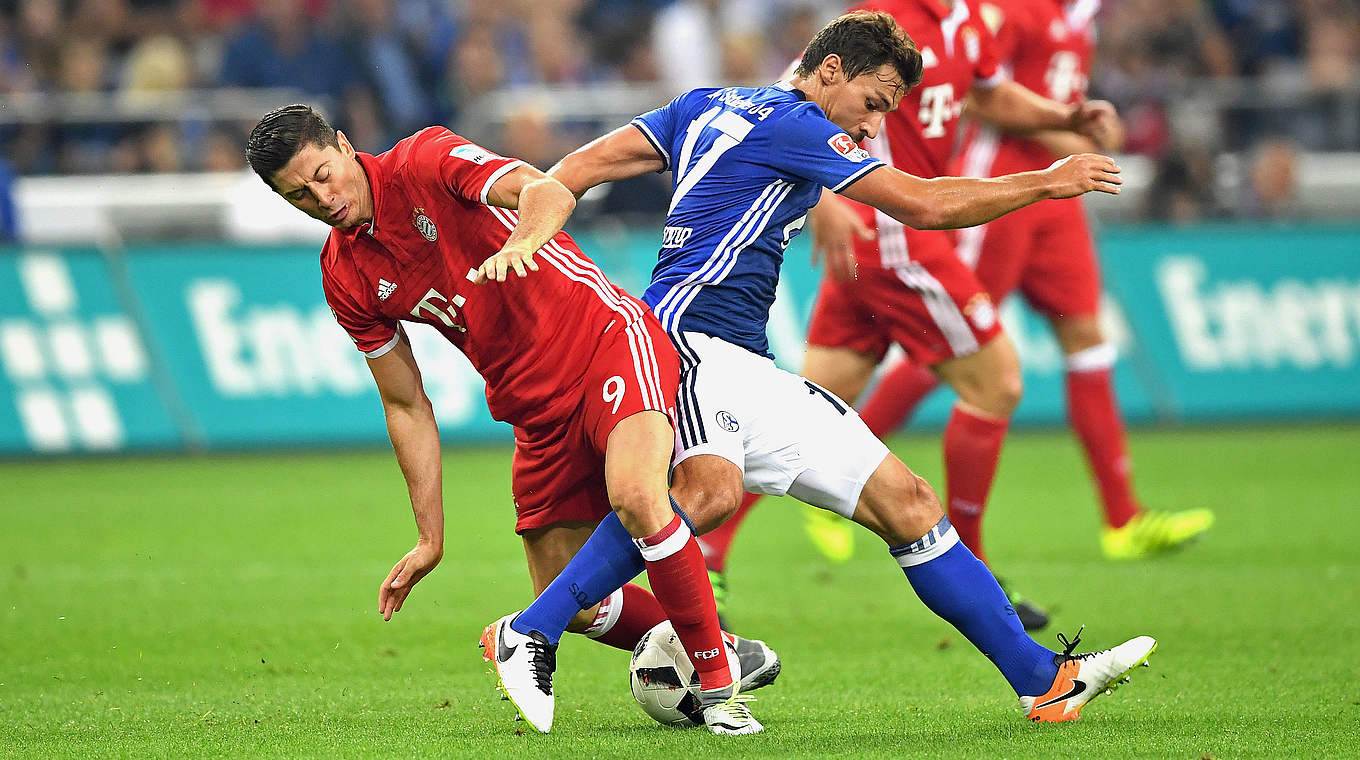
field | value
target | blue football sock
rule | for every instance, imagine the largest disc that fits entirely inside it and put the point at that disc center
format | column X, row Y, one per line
column 956, row 586
column 607, row 561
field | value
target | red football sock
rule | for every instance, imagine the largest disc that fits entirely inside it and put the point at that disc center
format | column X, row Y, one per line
column 1095, row 418
column 675, row 568
column 716, row 542
column 972, row 449
column 897, row 395
column 624, row 616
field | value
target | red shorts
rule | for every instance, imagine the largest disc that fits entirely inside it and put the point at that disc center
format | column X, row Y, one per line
column 1045, row 251
column 935, row 310
column 558, row 470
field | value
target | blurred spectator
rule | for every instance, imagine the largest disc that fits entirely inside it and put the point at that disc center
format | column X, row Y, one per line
column 530, row 135
column 704, row 43
column 1264, row 33
column 222, row 152
column 156, row 65
column 1270, row 187
column 9, row 219
column 160, row 150
column 283, row 48
column 1183, row 189
column 1333, row 47
column 379, row 50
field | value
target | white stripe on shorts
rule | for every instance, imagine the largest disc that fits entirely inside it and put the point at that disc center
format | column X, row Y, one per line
column 946, row 314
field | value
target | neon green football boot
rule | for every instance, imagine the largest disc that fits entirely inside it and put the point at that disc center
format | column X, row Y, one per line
column 1153, row 532
column 833, row 535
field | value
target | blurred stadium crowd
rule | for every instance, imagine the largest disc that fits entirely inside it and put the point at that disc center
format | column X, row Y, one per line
column 136, row 86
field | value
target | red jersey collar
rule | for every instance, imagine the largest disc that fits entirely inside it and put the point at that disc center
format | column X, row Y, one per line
column 372, row 168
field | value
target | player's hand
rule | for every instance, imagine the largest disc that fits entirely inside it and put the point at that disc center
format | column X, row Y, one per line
column 1082, row 173
column 834, row 228
column 405, row 574
column 498, row 266
column 1099, row 121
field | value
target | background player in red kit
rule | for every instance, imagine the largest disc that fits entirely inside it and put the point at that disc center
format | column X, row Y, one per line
column 582, row 370
column 907, row 286
column 1046, row 252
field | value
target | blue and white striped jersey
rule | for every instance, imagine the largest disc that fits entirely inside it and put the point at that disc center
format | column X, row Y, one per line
column 747, row 164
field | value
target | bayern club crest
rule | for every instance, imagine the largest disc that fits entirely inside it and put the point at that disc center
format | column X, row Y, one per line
column 424, row 224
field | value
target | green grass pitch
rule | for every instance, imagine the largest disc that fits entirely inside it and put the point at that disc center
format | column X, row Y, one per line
column 226, row 606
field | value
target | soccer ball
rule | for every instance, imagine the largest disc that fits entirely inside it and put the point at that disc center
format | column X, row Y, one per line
column 664, row 681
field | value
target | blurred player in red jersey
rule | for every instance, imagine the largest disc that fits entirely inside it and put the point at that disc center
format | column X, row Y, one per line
column 1046, row 251
column 887, row 283
column 582, row 370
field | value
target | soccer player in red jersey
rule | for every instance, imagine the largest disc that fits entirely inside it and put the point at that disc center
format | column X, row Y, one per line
column 1047, row 253
column 888, row 283
column 427, row 232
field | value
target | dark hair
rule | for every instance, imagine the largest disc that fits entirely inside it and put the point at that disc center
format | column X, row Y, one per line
column 865, row 40
column 281, row 134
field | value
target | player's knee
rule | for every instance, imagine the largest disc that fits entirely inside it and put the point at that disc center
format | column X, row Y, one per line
column 1009, row 388
column 920, row 509
column 634, row 498
column 708, row 504
column 899, row 506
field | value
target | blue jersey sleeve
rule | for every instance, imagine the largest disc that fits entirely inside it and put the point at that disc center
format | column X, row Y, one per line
column 658, row 126
column 807, row 145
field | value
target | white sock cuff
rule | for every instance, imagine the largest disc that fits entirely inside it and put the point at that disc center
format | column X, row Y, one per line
column 608, row 614
column 934, row 543
column 1093, row 359
column 668, row 546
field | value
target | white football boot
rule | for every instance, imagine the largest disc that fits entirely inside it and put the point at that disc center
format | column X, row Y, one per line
column 524, row 669
column 729, row 716
column 1083, row 677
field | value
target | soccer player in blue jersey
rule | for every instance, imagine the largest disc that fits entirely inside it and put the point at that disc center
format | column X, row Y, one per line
column 747, row 164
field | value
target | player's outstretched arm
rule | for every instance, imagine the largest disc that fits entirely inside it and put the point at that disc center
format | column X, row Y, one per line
column 544, row 206
column 1012, row 106
column 415, row 439
column 952, row 202
column 618, row 155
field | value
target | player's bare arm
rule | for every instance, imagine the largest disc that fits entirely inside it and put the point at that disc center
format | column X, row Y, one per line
column 621, row 154
column 1012, row 106
column 544, row 206
column 1062, row 143
column 952, row 202
column 415, row 440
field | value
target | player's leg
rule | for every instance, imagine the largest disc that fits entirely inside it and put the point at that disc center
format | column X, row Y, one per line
column 1062, row 281
column 637, row 462
column 620, row 619
column 845, row 372
column 1130, row 532
column 1052, row 686
column 849, row 471
column 989, row 386
column 902, row 388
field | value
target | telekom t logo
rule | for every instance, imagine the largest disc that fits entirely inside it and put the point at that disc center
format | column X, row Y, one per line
column 441, row 308
column 937, row 107
column 1064, row 77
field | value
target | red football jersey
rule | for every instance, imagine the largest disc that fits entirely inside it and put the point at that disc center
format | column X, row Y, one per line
column 530, row 338
column 957, row 52
column 1047, row 45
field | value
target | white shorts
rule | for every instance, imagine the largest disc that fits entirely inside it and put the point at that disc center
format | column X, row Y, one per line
column 785, row 433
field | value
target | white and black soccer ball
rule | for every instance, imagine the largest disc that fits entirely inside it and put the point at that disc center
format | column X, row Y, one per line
column 664, row 681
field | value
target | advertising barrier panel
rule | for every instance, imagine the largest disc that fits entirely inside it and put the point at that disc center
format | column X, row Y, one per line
column 223, row 346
